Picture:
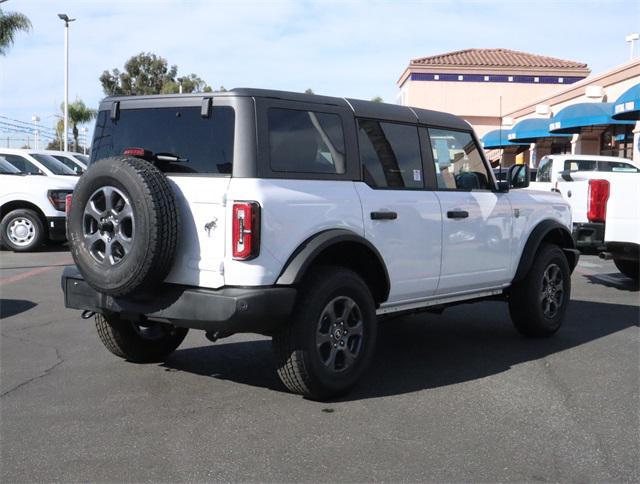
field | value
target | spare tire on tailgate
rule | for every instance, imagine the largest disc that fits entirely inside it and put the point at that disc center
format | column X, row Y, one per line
column 123, row 226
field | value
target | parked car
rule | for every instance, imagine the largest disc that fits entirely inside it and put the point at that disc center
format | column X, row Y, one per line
column 32, row 208
column 305, row 218
column 74, row 161
column 36, row 163
column 621, row 210
column 569, row 175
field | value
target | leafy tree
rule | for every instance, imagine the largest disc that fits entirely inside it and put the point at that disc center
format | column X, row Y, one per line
column 148, row 73
column 377, row 99
column 309, row 91
column 10, row 24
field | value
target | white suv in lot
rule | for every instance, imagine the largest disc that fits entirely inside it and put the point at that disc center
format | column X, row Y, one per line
column 32, row 208
column 306, row 218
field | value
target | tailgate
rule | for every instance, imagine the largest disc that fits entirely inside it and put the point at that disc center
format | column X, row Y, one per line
column 201, row 239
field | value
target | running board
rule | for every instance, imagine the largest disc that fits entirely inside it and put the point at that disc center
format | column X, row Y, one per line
column 437, row 301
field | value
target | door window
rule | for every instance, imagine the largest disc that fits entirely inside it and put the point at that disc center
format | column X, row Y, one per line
column 22, row 164
column 390, row 154
column 306, row 142
column 458, row 163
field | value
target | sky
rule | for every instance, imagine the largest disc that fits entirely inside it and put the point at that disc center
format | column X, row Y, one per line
column 343, row 48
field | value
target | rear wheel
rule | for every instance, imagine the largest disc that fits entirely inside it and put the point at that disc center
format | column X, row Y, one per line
column 629, row 268
column 537, row 304
column 331, row 339
column 22, row 230
column 138, row 342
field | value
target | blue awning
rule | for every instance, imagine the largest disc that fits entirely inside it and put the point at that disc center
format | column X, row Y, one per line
column 530, row 130
column 627, row 106
column 498, row 138
column 574, row 118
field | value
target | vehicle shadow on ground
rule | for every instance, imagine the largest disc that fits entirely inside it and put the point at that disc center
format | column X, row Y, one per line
column 424, row 351
column 11, row 307
column 614, row 280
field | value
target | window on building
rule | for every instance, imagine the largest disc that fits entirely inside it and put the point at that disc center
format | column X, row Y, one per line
column 458, row 162
column 390, row 154
column 306, row 141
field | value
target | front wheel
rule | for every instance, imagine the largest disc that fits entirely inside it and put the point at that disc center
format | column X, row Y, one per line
column 629, row 268
column 22, row 230
column 538, row 303
column 138, row 342
column 331, row 338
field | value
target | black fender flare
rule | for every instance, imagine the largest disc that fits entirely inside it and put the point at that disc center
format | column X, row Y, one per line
column 307, row 252
column 561, row 235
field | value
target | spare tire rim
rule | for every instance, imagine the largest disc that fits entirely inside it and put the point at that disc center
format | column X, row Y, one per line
column 21, row 231
column 552, row 293
column 339, row 335
column 108, row 225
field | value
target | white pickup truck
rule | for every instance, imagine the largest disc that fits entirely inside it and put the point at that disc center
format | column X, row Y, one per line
column 32, row 207
column 622, row 232
column 570, row 175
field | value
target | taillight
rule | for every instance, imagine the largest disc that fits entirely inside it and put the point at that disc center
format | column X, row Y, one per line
column 246, row 230
column 139, row 152
column 67, row 204
column 598, row 196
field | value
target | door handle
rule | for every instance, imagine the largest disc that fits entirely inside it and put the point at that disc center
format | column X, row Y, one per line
column 457, row 214
column 384, row 215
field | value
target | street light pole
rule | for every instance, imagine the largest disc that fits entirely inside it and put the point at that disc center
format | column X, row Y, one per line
column 631, row 39
column 65, row 18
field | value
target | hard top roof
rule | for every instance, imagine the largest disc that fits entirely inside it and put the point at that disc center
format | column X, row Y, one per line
column 360, row 108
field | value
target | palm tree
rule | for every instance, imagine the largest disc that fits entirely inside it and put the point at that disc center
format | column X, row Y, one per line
column 10, row 24
column 79, row 113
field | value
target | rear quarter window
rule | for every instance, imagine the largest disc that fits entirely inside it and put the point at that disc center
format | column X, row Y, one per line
column 305, row 142
column 204, row 143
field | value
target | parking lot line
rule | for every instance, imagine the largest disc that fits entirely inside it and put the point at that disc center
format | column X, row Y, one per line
column 24, row 275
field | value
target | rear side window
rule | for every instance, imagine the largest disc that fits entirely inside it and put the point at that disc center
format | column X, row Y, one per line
column 390, row 154
column 22, row 164
column 618, row 166
column 203, row 145
column 581, row 165
column 305, row 141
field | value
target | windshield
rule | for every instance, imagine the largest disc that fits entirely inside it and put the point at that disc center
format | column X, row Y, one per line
column 53, row 165
column 83, row 158
column 7, row 168
column 203, row 144
column 69, row 163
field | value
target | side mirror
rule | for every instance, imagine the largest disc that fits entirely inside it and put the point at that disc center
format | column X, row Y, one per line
column 566, row 175
column 519, row 176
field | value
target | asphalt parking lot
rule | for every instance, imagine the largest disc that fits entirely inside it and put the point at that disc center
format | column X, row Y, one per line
column 452, row 397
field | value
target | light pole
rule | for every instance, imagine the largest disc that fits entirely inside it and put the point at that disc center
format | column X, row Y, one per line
column 36, row 132
column 84, row 133
column 65, row 18
column 631, row 39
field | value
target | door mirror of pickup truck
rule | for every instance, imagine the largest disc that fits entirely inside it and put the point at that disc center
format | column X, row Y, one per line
column 519, row 176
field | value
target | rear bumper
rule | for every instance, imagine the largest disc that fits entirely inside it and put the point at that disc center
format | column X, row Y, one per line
column 227, row 310
column 588, row 235
column 57, row 228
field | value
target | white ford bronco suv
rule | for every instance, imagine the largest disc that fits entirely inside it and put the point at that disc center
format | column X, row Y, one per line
column 302, row 217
